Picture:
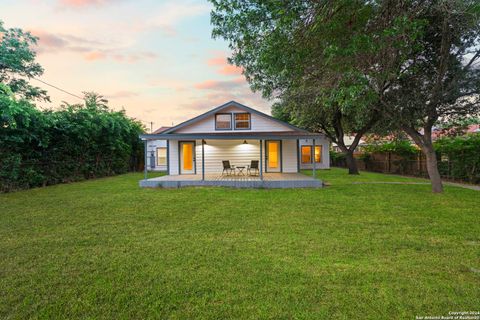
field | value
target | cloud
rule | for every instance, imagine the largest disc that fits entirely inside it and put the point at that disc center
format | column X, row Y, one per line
column 83, row 3
column 122, row 94
column 49, row 42
column 127, row 57
column 212, row 100
column 223, row 67
column 94, row 55
column 171, row 13
column 92, row 50
column 220, row 85
column 217, row 92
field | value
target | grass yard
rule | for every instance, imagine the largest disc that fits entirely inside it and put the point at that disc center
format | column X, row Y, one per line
column 108, row 249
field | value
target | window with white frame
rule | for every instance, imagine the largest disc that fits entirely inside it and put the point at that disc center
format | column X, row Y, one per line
column 162, row 156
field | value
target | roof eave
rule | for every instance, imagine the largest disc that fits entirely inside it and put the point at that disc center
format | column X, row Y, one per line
column 213, row 136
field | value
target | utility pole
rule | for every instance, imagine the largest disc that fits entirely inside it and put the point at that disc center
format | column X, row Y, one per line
column 151, row 126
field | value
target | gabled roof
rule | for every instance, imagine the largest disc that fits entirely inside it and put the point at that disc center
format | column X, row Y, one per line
column 160, row 130
column 224, row 106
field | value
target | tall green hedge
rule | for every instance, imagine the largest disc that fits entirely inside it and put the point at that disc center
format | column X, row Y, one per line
column 459, row 157
column 77, row 142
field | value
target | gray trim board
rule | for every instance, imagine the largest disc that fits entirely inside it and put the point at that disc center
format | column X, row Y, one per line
column 168, row 156
column 261, row 164
column 298, row 156
column 145, row 159
column 213, row 136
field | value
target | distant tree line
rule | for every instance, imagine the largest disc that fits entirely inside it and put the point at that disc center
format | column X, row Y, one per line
column 71, row 143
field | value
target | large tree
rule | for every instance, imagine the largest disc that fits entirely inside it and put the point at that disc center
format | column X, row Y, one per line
column 306, row 54
column 18, row 65
column 440, row 80
column 412, row 63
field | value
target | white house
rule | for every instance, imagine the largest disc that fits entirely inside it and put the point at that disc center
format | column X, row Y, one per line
column 198, row 149
column 156, row 159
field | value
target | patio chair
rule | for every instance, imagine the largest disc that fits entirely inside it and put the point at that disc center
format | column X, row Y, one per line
column 253, row 167
column 227, row 168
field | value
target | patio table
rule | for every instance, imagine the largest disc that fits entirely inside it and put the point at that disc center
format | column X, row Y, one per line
column 240, row 170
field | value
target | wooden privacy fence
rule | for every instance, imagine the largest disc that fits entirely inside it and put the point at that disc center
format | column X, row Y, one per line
column 414, row 165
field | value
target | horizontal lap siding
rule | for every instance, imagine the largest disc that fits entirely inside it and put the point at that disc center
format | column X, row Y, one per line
column 258, row 123
column 325, row 164
column 152, row 146
column 235, row 151
column 289, row 155
column 173, row 156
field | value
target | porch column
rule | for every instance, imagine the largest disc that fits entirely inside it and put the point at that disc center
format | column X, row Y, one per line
column 261, row 161
column 203, row 160
column 313, row 167
column 145, row 159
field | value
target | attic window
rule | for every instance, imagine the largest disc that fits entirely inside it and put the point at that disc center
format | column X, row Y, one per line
column 242, row 121
column 223, row 121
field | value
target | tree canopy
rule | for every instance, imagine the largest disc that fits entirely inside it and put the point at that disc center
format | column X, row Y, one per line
column 17, row 63
column 358, row 66
column 72, row 142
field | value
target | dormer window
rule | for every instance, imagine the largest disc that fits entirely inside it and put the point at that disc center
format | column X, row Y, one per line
column 223, row 121
column 242, row 121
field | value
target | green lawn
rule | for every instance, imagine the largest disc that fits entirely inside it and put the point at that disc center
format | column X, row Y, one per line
column 108, row 249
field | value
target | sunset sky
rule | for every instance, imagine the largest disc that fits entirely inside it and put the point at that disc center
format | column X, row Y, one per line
column 154, row 58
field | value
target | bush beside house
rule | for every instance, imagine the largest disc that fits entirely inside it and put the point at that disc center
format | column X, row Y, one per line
column 77, row 142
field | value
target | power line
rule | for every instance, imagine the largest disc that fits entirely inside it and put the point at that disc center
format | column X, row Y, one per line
column 53, row 86
column 65, row 91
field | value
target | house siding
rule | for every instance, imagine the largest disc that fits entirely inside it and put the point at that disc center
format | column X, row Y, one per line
column 258, row 124
column 173, row 157
column 152, row 146
column 238, row 153
column 325, row 163
column 289, row 156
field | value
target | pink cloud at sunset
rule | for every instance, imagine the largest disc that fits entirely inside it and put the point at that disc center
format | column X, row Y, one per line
column 94, row 55
column 119, row 57
column 220, row 85
column 154, row 58
column 223, row 67
column 82, row 3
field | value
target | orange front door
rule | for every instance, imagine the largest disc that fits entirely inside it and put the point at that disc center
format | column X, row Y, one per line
column 187, row 157
column 273, row 156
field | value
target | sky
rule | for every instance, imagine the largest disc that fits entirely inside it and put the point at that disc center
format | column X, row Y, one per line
column 154, row 58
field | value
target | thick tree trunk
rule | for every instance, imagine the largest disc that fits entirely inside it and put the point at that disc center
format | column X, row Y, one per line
column 432, row 168
column 425, row 143
column 351, row 163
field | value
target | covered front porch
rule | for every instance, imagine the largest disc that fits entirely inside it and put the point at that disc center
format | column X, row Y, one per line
column 241, row 159
column 267, row 180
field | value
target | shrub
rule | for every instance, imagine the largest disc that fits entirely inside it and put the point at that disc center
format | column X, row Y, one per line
column 77, row 142
column 399, row 147
column 459, row 157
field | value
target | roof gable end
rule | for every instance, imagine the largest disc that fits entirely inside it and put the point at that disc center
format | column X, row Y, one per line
column 225, row 106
